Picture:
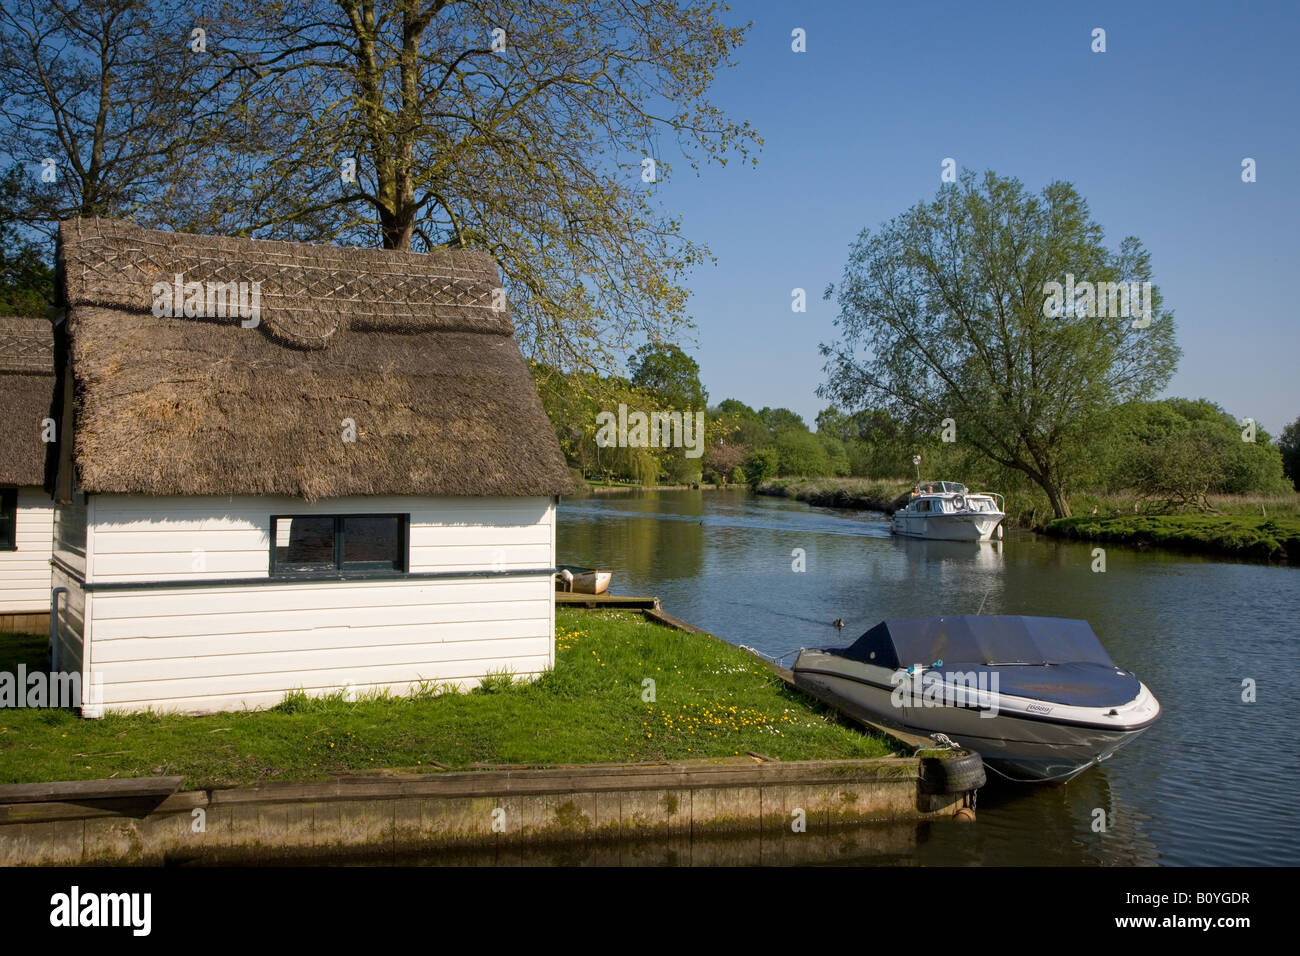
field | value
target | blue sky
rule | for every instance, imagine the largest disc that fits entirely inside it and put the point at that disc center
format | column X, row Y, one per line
column 1152, row 132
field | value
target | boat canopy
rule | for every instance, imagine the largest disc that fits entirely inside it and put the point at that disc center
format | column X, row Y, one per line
column 987, row 640
column 942, row 488
column 1046, row 658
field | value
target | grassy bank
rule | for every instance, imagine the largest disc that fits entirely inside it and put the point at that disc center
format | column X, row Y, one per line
column 1240, row 526
column 599, row 486
column 712, row 700
column 864, row 494
column 1251, row 537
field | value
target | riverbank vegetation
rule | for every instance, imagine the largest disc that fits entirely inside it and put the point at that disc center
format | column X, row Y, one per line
column 1250, row 527
column 1160, row 456
column 860, row 493
column 1163, row 455
column 709, row 700
column 1241, row 536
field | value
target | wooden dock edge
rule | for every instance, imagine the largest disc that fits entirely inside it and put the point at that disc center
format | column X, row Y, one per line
column 687, row 803
column 613, row 602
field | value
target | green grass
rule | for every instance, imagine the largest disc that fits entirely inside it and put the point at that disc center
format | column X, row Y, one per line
column 1126, row 505
column 712, row 700
column 1238, row 535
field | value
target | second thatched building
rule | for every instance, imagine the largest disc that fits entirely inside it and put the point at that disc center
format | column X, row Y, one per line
column 26, row 513
column 285, row 466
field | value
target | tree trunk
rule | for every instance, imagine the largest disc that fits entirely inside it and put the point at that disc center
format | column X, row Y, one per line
column 1055, row 494
column 397, row 228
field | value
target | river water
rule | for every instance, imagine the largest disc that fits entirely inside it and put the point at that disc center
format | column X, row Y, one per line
column 1213, row 782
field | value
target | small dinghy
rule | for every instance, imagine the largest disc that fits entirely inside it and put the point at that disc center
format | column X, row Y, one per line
column 582, row 580
column 1038, row 697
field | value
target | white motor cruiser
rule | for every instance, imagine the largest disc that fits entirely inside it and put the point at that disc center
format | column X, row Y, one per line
column 1038, row 697
column 948, row 511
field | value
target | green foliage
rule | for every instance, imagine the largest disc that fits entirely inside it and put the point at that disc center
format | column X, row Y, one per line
column 1181, row 468
column 760, row 465
column 573, row 400
column 677, row 469
column 1179, row 451
column 862, row 494
column 673, row 379
column 1247, row 536
column 1289, row 448
column 832, row 421
column 800, row 453
column 778, row 420
column 531, row 152
column 495, row 682
column 669, row 373
column 837, row 456
column 26, row 278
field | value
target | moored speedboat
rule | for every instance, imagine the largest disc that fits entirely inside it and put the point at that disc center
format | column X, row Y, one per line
column 948, row 511
column 1038, row 697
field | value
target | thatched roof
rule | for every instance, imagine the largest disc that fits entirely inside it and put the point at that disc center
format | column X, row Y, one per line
column 26, row 386
column 406, row 345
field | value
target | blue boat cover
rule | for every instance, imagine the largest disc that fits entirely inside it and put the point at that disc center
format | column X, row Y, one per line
column 1045, row 658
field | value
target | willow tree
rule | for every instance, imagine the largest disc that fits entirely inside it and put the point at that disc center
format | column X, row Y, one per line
column 948, row 312
column 540, row 132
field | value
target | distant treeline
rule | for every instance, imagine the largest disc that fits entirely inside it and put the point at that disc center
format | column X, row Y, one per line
column 1176, row 451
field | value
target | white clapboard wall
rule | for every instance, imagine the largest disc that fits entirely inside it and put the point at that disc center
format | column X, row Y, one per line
column 232, row 646
column 25, row 572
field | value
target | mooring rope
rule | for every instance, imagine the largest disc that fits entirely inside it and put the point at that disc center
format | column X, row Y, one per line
column 1059, row 776
column 769, row 657
column 942, row 740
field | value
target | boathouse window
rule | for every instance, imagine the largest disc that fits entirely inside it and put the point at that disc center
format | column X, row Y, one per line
column 8, row 519
column 316, row 545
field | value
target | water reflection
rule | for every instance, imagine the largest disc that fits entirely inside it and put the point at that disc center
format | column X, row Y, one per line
column 986, row 555
column 856, row 845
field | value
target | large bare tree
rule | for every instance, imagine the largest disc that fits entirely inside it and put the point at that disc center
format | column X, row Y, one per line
column 98, row 107
column 526, row 129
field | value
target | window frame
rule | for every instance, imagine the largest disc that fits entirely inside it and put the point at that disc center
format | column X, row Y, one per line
column 339, row 570
column 9, row 508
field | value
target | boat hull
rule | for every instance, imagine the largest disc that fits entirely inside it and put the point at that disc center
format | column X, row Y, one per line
column 1014, row 735
column 586, row 582
column 947, row 527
